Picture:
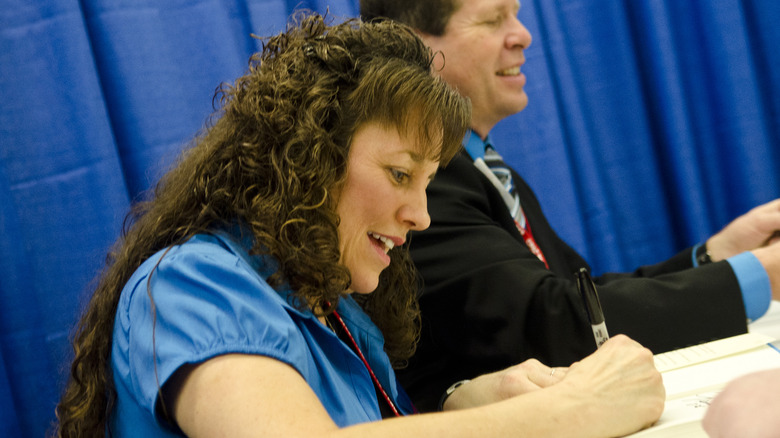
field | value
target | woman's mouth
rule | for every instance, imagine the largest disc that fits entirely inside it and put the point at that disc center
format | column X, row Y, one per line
column 386, row 242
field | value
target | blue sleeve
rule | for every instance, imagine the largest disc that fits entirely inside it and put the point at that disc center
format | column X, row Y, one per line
column 208, row 302
column 754, row 283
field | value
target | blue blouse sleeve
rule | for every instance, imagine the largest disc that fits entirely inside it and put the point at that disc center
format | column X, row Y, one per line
column 207, row 301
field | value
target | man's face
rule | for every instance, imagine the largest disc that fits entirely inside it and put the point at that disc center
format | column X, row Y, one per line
column 483, row 47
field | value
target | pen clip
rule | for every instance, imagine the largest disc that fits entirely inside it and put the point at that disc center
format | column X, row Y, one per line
column 589, row 296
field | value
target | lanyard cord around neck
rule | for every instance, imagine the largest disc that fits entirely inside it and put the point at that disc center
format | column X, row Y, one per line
column 365, row 362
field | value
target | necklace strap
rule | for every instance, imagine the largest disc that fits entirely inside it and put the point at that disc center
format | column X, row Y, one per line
column 359, row 352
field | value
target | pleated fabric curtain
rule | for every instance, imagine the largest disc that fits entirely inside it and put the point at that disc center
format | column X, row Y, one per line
column 98, row 97
column 651, row 124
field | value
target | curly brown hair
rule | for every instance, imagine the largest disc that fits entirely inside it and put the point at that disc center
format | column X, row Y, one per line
column 271, row 159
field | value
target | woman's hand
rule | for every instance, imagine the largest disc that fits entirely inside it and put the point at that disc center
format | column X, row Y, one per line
column 501, row 385
column 613, row 392
column 620, row 377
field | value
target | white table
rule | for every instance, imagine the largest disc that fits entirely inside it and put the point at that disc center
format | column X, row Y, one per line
column 769, row 324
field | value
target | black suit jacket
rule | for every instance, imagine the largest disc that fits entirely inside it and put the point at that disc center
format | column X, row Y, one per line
column 488, row 302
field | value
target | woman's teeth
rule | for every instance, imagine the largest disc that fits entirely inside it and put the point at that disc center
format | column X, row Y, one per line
column 387, row 242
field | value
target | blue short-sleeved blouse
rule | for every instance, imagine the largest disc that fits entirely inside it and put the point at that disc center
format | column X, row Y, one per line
column 211, row 298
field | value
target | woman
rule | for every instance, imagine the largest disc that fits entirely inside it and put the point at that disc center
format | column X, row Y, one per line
column 246, row 298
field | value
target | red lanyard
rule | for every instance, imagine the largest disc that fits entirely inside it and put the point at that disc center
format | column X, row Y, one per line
column 368, row 367
column 528, row 237
column 512, row 201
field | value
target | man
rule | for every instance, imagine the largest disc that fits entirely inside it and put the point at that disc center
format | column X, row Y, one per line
column 499, row 284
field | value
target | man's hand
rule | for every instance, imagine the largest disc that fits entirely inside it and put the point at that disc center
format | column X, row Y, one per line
column 757, row 228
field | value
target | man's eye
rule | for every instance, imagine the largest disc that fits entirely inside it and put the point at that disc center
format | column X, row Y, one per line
column 495, row 21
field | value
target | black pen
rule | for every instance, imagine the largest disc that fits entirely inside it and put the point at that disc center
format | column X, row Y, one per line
column 593, row 306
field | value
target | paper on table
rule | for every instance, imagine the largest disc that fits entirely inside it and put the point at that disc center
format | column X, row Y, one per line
column 695, row 377
column 713, row 375
column 709, row 351
column 681, row 418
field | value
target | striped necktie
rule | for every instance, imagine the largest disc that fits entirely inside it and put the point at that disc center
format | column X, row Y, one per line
column 502, row 173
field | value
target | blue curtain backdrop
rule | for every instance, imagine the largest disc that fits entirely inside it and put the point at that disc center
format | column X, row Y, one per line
column 651, row 124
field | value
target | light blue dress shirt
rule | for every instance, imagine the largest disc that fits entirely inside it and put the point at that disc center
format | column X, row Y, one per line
column 211, row 298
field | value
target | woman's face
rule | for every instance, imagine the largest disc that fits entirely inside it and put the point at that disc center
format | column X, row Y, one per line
column 382, row 199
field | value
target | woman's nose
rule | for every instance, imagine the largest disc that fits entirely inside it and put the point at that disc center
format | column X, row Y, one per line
column 414, row 214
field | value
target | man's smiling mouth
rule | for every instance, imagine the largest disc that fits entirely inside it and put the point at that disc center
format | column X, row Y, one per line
column 513, row 71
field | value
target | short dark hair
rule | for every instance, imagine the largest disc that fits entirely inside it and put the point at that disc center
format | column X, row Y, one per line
column 429, row 16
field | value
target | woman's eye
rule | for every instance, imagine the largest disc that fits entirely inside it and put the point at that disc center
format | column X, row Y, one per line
column 399, row 176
